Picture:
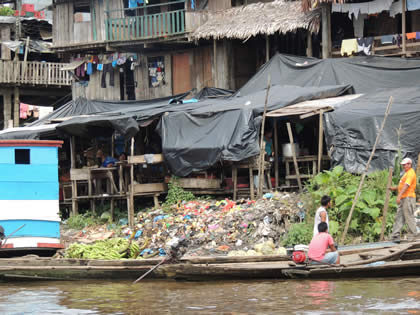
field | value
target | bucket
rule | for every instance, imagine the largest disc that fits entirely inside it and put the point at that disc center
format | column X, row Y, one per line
column 287, row 149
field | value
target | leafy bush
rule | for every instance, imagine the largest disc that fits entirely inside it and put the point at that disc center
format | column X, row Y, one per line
column 299, row 233
column 176, row 194
column 80, row 221
column 342, row 186
column 6, row 11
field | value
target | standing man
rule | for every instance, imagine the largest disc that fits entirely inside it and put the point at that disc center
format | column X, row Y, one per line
column 406, row 201
column 321, row 214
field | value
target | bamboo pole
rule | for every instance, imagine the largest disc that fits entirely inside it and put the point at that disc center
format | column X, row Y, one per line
column 387, row 195
column 356, row 197
column 289, row 131
column 320, row 139
column 267, row 48
column 262, row 147
column 25, row 61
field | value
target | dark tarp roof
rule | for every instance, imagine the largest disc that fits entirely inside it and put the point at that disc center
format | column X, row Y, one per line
column 365, row 74
column 351, row 129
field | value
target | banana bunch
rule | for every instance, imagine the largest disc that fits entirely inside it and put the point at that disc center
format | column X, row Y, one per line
column 115, row 248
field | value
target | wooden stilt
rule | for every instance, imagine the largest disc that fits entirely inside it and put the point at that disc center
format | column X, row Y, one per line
column 156, row 201
column 404, row 27
column 309, row 51
column 16, row 107
column 112, row 204
column 74, row 203
column 289, row 130
column 251, row 182
column 276, row 156
column 235, row 180
column 215, row 62
column 267, row 48
column 131, row 198
column 262, row 146
column 320, row 139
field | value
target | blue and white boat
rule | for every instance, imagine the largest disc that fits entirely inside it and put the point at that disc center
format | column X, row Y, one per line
column 29, row 194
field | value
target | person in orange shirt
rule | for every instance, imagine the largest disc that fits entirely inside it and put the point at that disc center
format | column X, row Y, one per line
column 406, row 201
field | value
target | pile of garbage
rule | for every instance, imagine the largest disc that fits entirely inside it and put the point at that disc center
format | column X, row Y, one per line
column 223, row 227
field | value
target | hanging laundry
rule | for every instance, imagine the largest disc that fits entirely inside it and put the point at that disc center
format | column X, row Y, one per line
column 359, row 25
column 364, row 45
column 348, row 47
column 100, row 67
column 107, row 69
column 387, row 39
column 376, row 6
column 192, row 4
column 397, row 40
column 417, row 35
column 23, row 110
column 89, row 68
column 411, row 35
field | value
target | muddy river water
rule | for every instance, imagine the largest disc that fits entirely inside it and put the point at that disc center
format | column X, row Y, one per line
column 367, row 296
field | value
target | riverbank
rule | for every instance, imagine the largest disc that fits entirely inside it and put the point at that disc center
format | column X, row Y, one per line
column 211, row 227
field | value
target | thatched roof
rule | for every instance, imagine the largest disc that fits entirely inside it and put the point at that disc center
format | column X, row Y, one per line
column 312, row 4
column 243, row 22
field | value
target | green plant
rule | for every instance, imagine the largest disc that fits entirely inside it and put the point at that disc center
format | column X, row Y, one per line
column 176, row 193
column 299, row 233
column 342, row 186
column 81, row 221
column 6, row 11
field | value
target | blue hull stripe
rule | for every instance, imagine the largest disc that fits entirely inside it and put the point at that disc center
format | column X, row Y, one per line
column 28, row 191
column 28, row 173
column 38, row 155
column 32, row 228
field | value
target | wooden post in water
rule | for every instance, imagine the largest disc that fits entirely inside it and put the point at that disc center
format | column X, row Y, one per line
column 359, row 190
column 386, row 204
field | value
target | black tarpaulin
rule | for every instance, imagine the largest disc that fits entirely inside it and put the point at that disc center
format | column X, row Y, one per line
column 365, row 74
column 351, row 129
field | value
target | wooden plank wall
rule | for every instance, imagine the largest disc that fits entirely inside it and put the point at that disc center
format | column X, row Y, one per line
column 141, row 75
column 100, row 19
column 224, row 65
column 63, row 24
column 201, row 72
column 216, row 5
column 94, row 91
column 5, row 35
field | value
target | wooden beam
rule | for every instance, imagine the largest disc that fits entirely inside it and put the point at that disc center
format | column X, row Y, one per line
column 262, row 146
column 7, row 107
column 326, row 30
column 309, row 50
column 215, row 62
column 289, row 130
column 267, row 48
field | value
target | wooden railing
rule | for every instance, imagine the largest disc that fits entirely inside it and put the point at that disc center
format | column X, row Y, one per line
column 33, row 73
column 145, row 26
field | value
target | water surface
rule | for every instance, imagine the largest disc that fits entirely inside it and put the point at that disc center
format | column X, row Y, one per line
column 367, row 296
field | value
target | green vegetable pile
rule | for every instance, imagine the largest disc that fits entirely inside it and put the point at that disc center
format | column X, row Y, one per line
column 176, row 194
column 341, row 186
column 6, row 11
column 115, row 248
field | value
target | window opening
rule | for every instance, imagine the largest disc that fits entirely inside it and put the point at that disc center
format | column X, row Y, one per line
column 22, row 156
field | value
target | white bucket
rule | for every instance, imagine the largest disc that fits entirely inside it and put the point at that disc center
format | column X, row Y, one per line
column 287, row 149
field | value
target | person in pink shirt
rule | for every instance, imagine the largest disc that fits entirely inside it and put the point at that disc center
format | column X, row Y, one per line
column 318, row 247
